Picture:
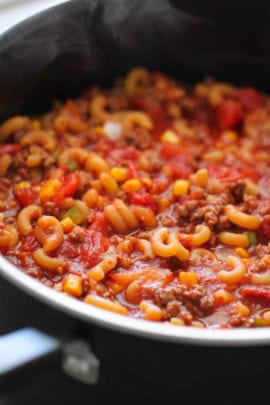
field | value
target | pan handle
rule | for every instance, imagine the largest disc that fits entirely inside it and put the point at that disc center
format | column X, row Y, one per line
column 26, row 349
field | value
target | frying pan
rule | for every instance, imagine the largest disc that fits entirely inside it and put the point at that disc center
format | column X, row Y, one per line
column 56, row 53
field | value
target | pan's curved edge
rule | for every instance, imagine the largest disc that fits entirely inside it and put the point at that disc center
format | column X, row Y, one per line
column 123, row 324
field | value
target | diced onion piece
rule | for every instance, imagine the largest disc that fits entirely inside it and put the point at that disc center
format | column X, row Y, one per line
column 112, row 130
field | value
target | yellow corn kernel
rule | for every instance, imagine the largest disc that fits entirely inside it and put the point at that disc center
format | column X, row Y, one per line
column 242, row 309
column 169, row 136
column 1, row 217
column 223, row 297
column 67, row 224
column 230, row 136
column 180, row 187
column 188, row 278
column 49, row 189
column 177, row 321
column 119, row 173
column 73, row 285
column 242, row 252
column 132, row 185
column 22, row 184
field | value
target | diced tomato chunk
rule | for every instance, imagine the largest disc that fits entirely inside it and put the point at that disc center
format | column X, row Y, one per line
column 99, row 223
column 26, row 195
column 229, row 114
column 67, row 250
column 250, row 98
column 224, row 174
column 254, row 291
column 94, row 244
column 9, row 149
column 142, row 198
column 169, row 150
column 133, row 171
column 29, row 243
column 70, row 185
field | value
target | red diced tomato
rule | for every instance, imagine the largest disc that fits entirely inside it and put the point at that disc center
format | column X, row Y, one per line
column 142, row 198
column 250, row 98
column 180, row 167
column 93, row 246
column 120, row 154
column 169, row 150
column 67, row 250
column 29, row 243
column 224, row 174
column 70, row 185
column 99, row 223
column 9, row 149
column 133, row 171
column 254, row 292
column 25, row 195
column 229, row 114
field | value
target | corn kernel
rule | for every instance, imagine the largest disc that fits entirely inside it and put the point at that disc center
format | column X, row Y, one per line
column 242, row 252
column 242, row 309
column 132, row 185
column 119, row 173
column 180, row 187
column 251, row 188
column 230, row 136
column 67, row 224
column 170, row 137
column 189, row 279
column 1, row 217
column 22, row 184
column 49, row 189
column 223, row 297
column 73, row 285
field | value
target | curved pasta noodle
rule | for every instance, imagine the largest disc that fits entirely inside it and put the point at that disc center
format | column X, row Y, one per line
column 120, row 216
column 8, row 236
column 105, row 304
column 144, row 215
column 261, row 278
column 146, row 247
column 135, row 81
column 48, row 262
column 139, row 118
column 79, row 155
column 13, row 125
column 25, row 217
column 236, row 274
column 239, row 218
column 234, row 239
column 167, row 244
column 201, row 236
column 5, row 162
column 108, row 183
column 45, row 138
column 202, row 253
column 96, row 164
column 49, row 232
column 97, row 108
column 98, row 272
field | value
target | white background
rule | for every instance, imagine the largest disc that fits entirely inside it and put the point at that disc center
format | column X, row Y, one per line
column 14, row 11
